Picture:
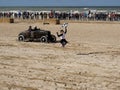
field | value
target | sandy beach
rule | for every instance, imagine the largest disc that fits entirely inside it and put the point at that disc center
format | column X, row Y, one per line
column 90, row 61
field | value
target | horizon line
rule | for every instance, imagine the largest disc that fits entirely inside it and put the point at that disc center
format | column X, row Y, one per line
column 59, row 6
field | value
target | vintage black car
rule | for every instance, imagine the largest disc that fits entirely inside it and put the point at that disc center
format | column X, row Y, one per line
column 37, row 35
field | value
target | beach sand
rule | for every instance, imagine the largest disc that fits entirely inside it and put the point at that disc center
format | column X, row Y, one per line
column 90, row 61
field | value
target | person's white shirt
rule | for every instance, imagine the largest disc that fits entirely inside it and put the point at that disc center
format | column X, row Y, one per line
column 63, row 36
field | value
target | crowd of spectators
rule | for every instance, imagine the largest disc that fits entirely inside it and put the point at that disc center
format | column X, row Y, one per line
column 105, row 16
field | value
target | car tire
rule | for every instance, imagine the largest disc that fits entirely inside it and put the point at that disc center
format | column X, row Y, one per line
column 43, row 39
column 53, row 38
column 21, row 38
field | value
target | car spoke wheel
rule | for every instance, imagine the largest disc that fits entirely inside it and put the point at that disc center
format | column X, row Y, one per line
column 21, row 38
column 43, row 39
column 53, row 38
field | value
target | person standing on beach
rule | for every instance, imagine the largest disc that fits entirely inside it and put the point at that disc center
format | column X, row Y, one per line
column 62, row 34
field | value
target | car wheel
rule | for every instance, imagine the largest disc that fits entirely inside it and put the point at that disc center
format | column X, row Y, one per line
column 53, row 38
column 21, row 38
column 43, row 39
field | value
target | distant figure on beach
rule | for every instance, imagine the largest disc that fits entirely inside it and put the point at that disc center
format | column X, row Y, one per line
column 62, row 34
